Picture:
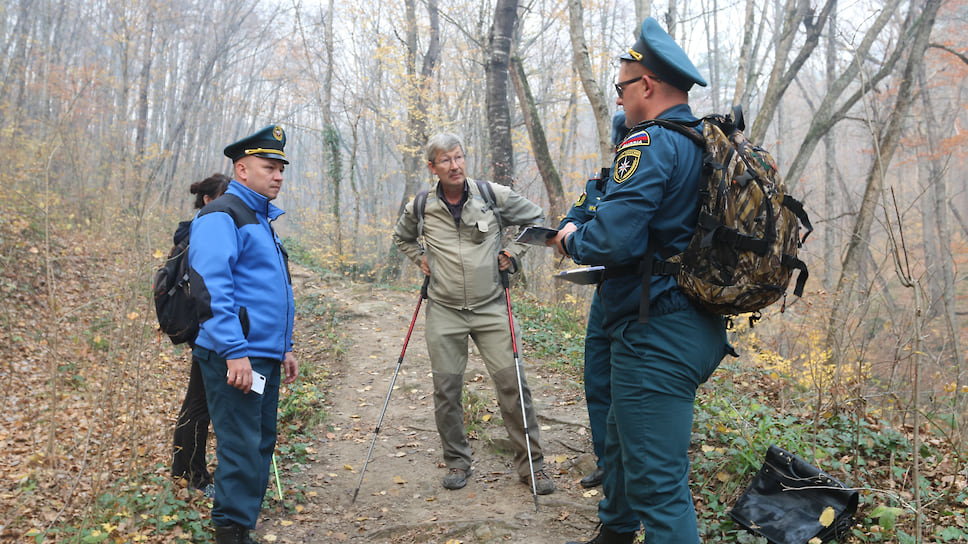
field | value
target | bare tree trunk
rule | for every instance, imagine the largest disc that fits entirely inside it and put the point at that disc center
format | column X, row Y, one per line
column 643, row 9
column 937, row 233
column 539, row 144
column 830, row 238
column 886, row 142
column 498, row 110
column 142, row 128
column 929, row 177
column 711, row 20
column 417, row 90
column 745, row 54
column 583, row 64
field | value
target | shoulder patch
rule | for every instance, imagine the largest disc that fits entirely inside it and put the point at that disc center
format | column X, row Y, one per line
column 581, row 200
column 639, row 138
column 625, row 164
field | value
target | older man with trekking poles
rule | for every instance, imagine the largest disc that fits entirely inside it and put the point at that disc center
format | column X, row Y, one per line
column 459, row 221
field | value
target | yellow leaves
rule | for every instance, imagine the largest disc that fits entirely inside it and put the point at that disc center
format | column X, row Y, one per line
column 590, row 493
column 560, row 458
column 953, row 387
column 486, row 417
column 285, row 523
column 270, row 538
column 158, row 254
column 399, row 480
column 348, row 467
column 454, row 541
column 133, row 315
column 827, row 517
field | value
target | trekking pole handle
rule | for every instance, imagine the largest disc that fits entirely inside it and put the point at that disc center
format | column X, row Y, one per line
column 423, row 288
column 505, row 279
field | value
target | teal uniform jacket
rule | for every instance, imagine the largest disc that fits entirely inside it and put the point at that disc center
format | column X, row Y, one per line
column 584, row 208
column 650, row 197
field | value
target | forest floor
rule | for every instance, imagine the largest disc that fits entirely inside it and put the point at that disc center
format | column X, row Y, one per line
column 401, row 498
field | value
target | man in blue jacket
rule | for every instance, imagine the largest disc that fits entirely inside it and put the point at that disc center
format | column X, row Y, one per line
column 241, row 284
column 662, row 346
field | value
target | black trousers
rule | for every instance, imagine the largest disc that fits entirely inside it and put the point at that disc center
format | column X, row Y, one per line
column 191, row 433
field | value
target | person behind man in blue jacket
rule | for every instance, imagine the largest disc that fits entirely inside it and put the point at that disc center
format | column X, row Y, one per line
column 597, row 354
column 191, row 430
column 240, row 281
column 662, row 346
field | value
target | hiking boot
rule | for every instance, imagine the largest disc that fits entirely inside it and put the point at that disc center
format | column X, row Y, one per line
column 456, row 478
column 232, row 534
column 542, row 483
column 207, row 490
column 594, row 479
column 608, row 536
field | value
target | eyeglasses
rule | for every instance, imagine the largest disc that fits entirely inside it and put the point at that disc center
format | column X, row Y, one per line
column 621, row 85
column 447, row 161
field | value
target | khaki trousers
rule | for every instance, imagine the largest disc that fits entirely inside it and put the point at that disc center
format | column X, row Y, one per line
column 447, row 331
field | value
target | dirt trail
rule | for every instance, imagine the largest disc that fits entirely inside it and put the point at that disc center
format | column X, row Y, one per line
column 401, row 498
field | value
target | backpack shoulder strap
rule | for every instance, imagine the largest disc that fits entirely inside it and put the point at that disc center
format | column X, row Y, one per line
column 419, row 208
column 487, row 193
column 228, row 203
column 686, row 129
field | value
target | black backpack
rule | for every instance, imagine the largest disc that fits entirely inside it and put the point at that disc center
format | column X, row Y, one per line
column 174, row 304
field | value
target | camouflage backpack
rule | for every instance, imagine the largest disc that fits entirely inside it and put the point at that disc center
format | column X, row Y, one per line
column 744, row 251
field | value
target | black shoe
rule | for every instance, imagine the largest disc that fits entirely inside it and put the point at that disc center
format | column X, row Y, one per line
column 232, row 534
column 456, row 478
column 594, row 479
column 608, row 536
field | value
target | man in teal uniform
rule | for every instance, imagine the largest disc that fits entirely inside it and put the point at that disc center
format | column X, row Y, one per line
column 658, row 360
column 597, row 355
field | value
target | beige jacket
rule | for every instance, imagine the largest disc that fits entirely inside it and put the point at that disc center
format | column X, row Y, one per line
column 463, row 261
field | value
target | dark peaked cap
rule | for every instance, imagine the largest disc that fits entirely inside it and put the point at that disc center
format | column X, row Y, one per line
column 656, row 49
column 268, row 143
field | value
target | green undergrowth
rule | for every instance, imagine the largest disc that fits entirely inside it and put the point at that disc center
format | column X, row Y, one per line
column 552, row 336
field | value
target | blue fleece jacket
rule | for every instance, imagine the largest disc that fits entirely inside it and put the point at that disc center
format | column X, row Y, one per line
column 240, row 277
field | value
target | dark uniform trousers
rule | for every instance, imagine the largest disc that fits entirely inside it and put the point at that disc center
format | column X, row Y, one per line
column 245, row 429
column 656, row 369
column 598, row 375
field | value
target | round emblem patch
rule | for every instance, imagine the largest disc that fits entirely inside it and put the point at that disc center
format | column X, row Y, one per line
column 277, row 133
column 625, row 164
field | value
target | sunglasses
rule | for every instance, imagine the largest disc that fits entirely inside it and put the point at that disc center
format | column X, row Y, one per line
column 621, row 85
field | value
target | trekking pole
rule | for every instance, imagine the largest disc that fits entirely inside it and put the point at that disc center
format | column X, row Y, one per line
column 423, row 295
column 505, row 281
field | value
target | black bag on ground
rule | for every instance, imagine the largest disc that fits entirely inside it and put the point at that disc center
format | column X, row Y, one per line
column 173, row 296
column 791, row 502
